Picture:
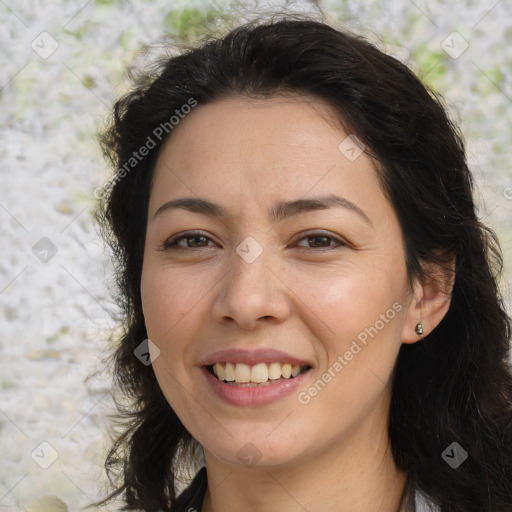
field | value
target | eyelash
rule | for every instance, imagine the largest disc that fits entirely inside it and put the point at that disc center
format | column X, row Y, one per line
column 171, row 244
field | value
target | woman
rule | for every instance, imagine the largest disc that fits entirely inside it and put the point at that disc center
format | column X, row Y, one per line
column 312, row 314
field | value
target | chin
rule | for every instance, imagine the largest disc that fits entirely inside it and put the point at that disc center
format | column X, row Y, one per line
column 255, row 452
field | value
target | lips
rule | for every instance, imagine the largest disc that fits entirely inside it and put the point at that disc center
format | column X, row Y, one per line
column 250, row 377
column 254, row 357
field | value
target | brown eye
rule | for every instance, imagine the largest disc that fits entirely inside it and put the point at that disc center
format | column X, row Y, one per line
column 199, row 240
column 320, row 240
column 193, row 239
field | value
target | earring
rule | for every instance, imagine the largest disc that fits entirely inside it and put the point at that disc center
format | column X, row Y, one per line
column 419, row 329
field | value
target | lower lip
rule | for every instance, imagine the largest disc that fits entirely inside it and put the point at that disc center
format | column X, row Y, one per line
column 254, row 395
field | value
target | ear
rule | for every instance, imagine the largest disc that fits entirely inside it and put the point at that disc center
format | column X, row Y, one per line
column 431, row 300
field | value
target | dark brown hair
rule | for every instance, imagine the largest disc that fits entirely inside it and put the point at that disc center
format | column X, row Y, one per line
column 453, row 386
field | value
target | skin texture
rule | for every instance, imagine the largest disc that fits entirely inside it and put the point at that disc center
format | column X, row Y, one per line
column 308, row 300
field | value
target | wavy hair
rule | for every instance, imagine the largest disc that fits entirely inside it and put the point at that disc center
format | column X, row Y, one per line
column 455, row 385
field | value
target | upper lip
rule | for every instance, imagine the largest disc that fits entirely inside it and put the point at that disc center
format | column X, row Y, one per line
column 252, row 357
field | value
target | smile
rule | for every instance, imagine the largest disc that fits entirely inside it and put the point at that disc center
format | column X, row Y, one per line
column 256, row 375
column 252, row 378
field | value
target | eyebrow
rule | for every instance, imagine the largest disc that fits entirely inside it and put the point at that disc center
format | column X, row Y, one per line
column 280, row 211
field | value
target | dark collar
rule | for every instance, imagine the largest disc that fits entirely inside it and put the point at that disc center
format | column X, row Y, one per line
column 191, row 499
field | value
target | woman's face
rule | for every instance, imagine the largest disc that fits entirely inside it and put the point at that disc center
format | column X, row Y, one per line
column 300, row 262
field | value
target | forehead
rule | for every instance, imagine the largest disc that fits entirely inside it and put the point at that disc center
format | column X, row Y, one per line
column 253, row 128
column 263, row 150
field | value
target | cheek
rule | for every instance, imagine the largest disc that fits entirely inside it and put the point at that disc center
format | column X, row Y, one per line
column 357, row 303
column 348, row 296
column 164, row 306
column 165, row 302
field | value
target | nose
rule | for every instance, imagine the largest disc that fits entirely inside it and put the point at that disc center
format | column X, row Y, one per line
column 251, row 294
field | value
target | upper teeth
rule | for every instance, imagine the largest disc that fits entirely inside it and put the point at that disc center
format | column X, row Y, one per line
column 240, row 372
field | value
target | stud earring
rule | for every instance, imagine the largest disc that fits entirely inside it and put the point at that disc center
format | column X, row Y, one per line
column 419, row 329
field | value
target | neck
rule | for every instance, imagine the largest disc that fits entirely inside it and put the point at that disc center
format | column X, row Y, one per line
column 355, row 474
